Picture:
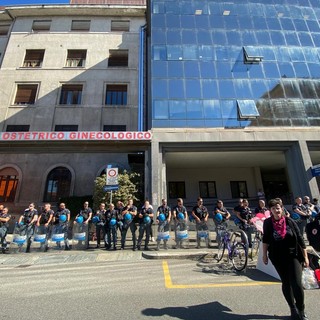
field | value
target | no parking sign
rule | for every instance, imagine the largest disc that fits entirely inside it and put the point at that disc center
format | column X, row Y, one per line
column 112, row 176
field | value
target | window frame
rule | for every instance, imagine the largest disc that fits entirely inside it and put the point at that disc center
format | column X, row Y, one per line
column 47, row 196
column 80, row 25
column 80, row 61
column 122, row 95
column 118, row 28
column 4, row 29
column 66, row 127
column 5, row 195
column 207, row 194
column 114, row 127
column 42, row 27
column 118, row 58
column 66, row 98
column 33, row 95
column 37, row 61
column 175, row 184
column 17, row 128
column 236, row 191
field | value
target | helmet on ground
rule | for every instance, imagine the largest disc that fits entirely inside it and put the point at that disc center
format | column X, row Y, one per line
column 79, row 219
column 112, row 222
column 96, row 219
column 218, row 217
column 127, row 216
column 295, row 216
column 63, row 218
column 146, row 219
column 180, row 216
column 162, row 217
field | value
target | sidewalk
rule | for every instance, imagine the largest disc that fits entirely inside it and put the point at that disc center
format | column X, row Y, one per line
column 102, row 255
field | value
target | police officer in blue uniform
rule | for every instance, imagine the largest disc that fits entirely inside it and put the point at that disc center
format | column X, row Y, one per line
column 129, row 223
column 86, row 213
column 62, row 226
column 101, row 218
column 145, row 216
column 4, row 225
column 163, row 225
column 29, row 219
column 111, row 216
column 44, row 221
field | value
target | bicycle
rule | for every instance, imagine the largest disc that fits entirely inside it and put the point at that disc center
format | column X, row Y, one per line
column 237, row 251
column 256, row 244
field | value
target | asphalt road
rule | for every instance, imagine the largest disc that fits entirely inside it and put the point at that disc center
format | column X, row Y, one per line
column 142, row 289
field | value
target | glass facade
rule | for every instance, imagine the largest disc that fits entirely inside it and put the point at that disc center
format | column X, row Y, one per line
column 207, row 56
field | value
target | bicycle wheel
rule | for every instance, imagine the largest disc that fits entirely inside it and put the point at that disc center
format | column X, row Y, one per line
column 255, row 247
column 221, row 249
column 239, row 256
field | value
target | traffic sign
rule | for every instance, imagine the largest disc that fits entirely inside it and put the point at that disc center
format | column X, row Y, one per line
column 112, row 176
column 110, row 188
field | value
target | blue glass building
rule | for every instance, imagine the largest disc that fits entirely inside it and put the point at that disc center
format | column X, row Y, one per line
column 217, row 67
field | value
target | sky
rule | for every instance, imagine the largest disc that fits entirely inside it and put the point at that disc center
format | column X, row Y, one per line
column 22, row 2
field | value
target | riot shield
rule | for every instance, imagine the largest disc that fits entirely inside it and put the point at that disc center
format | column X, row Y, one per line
column 80, row 236
column 19, row 238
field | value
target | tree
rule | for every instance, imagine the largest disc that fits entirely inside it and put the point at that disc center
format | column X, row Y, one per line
column 127, row 189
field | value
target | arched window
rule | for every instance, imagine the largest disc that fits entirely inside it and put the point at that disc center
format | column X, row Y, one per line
column 58, row 184
column 8, row 184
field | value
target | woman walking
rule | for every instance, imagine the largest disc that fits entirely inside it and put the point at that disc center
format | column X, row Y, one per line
column 284, row 246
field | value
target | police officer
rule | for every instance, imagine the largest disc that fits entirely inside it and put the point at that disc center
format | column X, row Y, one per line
column 163, row 225
column 101, row 216
column 119, row 208
column 129, row 223
column 43, row 222
column 4, row 225
column 29, row 219
column 181, row 225
column 86, row 213
column 62, row 226
column 200, row 214
column 145, row 216
column 111, row 227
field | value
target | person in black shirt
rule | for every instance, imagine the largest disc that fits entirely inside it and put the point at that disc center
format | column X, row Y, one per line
column 43, row 223
column 101, row 219
column 111, row 217
column 4, row 225
column 129, row 213
column 303, row 212
column 61, row 227
column 225, row 216
column 86, row 213
column 145, row 216
column 244, row 214
column 200, row 214
column 282, row 241
column 163, row 226
column 180, row 216
column 29, row 218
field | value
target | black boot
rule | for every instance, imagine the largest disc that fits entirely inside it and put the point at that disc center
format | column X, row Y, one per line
column 294, row 313
column 302, row 315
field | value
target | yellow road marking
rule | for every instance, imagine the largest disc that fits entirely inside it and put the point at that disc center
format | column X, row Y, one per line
column 170, row 285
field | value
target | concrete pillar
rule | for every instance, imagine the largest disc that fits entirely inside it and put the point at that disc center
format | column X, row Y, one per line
column 258, row 179
column 156, row 166
column 299, row 170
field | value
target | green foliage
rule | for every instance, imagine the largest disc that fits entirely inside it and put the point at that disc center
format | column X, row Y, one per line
column 128, row 188
column 75, row 204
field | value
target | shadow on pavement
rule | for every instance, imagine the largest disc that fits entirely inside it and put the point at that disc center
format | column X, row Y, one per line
column 213, row 310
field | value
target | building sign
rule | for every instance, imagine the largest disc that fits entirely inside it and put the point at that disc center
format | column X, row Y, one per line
column 77, row 136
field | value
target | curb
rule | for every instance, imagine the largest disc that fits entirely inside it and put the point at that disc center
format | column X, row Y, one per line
column 174, row 255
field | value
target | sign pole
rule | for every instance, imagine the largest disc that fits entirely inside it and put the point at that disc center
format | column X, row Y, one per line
column 111, row 197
